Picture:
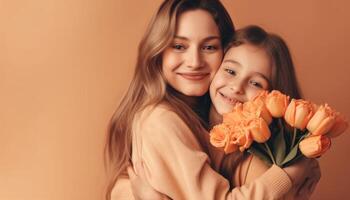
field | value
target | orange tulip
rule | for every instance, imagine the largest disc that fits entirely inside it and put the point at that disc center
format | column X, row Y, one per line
column 322, row 121
column 258, row 108
column 235, row 116
column 276, row 103
column 221, row 137
column 219, row 134
column 230, row 147
column 298, row 113
column 314, row 146
column 242, row 137
column 259, row 129
column 261, row 96
column 340, row 125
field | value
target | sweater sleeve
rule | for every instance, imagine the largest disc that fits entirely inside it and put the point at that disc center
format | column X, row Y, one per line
column 176, row 166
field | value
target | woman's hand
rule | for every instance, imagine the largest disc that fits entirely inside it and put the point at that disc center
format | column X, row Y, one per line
column 140, row 187
column 305, row 174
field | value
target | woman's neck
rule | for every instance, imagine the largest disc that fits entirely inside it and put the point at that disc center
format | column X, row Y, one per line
column 200, row 105
column 192, row 102
column 214, row 117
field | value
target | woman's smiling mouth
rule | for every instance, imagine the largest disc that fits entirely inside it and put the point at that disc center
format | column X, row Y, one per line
column 194, row 76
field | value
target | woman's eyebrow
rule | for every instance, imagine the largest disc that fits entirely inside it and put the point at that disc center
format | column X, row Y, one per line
column 213, row 37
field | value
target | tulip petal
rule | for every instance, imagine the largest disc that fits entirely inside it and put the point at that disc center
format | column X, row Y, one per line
column 289, row 116
column 324, row 126
column 314, row 146
column 340, row 125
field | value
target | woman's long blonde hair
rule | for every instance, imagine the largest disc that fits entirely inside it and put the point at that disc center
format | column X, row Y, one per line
column 148, row 87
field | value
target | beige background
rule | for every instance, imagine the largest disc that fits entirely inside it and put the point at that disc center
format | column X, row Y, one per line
column 64, row 64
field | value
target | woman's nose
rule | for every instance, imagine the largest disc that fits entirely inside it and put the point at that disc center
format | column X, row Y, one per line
column 195, row 58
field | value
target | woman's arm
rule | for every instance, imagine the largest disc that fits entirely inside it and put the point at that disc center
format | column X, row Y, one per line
column 140, row 188
column 175, row 165
column 143, row 191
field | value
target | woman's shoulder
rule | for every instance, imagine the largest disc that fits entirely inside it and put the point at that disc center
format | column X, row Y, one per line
column 161, row 120
column 157, row 113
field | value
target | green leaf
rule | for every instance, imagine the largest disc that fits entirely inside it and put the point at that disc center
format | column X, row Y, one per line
column 260, row 154
column 279, row 145
column 288, row 135
column 292, row 154
column 295, row 154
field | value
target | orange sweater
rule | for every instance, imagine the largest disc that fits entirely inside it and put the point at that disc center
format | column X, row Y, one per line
column 175, row 164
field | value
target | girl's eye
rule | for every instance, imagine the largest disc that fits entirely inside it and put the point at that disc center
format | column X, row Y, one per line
column 230, row 71
column 256, row 84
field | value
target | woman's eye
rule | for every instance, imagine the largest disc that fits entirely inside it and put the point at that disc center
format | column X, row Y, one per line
column 209, row 48
column 230, row 71
column 178, row 47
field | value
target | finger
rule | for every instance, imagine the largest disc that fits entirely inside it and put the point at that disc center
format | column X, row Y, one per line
column 315, row 173
column 308, row 188
column 312, row 186
column 306, row 191
column 131, row 172
column 140, row 168
column 301, row 188
column 314, row 163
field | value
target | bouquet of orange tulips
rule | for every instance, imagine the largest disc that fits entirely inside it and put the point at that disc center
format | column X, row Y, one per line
column 278, row 130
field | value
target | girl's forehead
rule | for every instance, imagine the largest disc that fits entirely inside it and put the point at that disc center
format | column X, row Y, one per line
column 250, row 58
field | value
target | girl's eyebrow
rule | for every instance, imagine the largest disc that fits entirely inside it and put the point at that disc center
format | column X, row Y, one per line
column 262, row 76
column 205, row 39
column 239, row 65
column 232, row 61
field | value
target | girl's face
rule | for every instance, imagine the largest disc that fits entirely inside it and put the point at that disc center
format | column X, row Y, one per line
column 191, row 60
column 244, row 73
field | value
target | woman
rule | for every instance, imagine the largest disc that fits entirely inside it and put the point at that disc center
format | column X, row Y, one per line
column 159, row 114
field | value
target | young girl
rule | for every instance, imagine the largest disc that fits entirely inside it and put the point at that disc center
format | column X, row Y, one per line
column 156, row 118
column 254, row 61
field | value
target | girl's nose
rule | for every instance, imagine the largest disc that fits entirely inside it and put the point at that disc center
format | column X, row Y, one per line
column 237, row 87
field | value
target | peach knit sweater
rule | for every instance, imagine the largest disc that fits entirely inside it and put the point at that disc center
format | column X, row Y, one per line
column 175, row 164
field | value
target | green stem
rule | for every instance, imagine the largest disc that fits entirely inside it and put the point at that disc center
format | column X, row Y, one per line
column 293, row 139
column 270, row 153
column 280, row 124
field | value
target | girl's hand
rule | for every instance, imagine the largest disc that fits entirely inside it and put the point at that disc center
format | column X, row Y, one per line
column 141, row 189
column 305, row 174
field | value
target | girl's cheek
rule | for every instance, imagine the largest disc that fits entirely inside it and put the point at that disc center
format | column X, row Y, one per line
column 253, row 93
column 221, row 81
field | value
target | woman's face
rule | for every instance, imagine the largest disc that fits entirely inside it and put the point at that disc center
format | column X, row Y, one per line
column 191, row 60
column 244, row 73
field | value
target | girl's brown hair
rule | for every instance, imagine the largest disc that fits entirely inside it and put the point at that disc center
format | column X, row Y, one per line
column 283, row 74
column 148, row 87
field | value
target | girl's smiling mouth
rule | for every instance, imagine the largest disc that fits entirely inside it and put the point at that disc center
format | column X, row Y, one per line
column 229, row 100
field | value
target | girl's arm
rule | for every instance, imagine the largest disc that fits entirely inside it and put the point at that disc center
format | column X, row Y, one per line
column 251, row 167
column 176, row 166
